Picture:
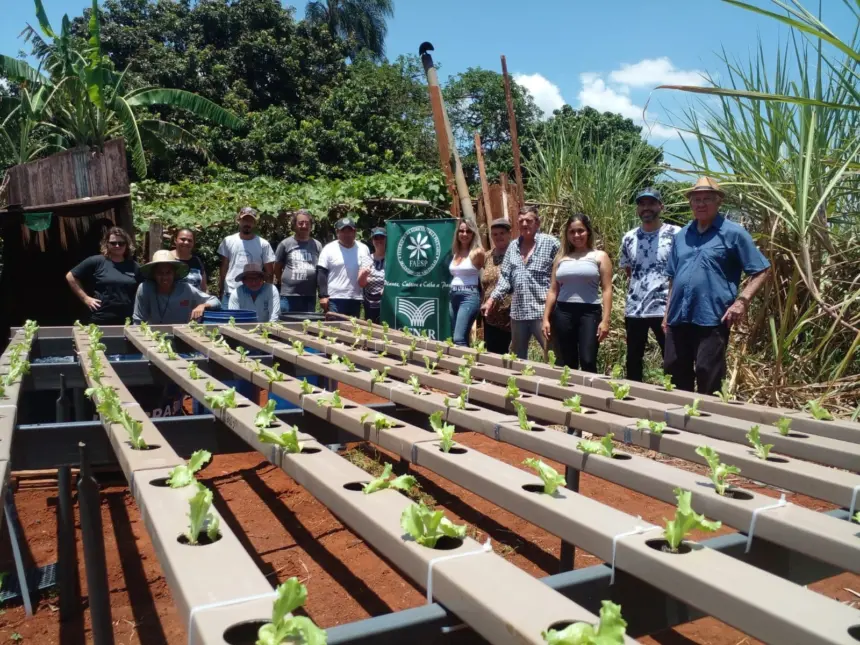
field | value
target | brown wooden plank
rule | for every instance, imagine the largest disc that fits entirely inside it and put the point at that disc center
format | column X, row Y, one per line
column 444, row 148
column 512, row 122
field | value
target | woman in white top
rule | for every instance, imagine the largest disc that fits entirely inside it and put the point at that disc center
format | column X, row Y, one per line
column 581, row 281
column 465, row 267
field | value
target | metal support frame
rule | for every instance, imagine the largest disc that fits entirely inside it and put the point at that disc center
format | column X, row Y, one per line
column 15, row 536
column 647, row 610
column 567, row 554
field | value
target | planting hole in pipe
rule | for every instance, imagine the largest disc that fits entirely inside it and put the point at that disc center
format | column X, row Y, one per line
column 740, row 495
column 562, row 625
column 533, row 488
column 621, row 456
column 455, row 450
column 355, row 486
column 244, row 633
column 773, row 460
column 854, row 632
column 445, row 543
column 797, row 435
column 150, row 446
column 160, row 482
column 202, row 540
column 538, row 429
column 663, row 546
column 307, row 451
column 525, row 396
column 471, row 408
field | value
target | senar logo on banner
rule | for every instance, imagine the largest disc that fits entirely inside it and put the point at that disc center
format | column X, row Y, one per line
column 417, row 280
column 418, row 251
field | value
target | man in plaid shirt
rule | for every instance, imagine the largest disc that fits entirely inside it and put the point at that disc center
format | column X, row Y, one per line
column 526, row 272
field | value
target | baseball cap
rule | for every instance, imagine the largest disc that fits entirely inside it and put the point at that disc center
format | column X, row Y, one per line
column 247, row 211
column 378, row 231
column 345, row 222
column 502, row 222
column 650, row 192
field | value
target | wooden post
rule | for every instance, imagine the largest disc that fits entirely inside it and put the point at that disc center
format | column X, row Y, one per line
column 512, row 218
column 444, row 149
column 512, row 122
column 482, row 171
column 156, row 230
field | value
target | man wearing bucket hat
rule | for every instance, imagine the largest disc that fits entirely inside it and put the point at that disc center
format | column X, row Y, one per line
column 338, row 268
column 240, row 249
column 162, row 299
column 704, row 269
column 644, row 253
column 255, row 294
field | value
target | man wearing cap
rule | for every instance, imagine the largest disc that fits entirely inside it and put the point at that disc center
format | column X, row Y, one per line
column 644, row 253
column 704, row 270
column 338, row 268
column 162, row 300
column 255, row 294
column 371, row 276
column 296, row 266
column 497, row 323
column 240, row 249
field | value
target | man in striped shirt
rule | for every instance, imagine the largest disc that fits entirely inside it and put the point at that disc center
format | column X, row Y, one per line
column 526, row 272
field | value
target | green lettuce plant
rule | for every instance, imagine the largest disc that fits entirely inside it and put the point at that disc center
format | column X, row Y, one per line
column 403, row 482
column 287, row 440
column 333, row 401
column 522, row 418
column 718, row 470
column 564, row 377
column 783, row 425
column 573, row 403
column 427, row 527
column 656, row 427
column 444, row 430
column 285, row 627
column 550, row 477
column 754, row 437
column 183, row 475
column 685, row 520
column 604, row 447
column 693, row 410
column 610, row 630
column 200, row 518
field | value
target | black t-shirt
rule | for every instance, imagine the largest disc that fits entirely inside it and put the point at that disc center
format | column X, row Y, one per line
column 114, row 283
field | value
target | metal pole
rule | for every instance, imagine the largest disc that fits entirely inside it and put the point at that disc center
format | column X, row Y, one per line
column 67, row 557
column 433, row 81
column 568, row 551
column 94, row 553
column 63, row 406
column 515, row 144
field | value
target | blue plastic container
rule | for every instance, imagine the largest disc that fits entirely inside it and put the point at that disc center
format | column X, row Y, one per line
column 224, row 315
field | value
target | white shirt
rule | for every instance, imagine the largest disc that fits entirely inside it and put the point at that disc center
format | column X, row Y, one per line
column 240, row 252
column 267, row 305
column 343, row 265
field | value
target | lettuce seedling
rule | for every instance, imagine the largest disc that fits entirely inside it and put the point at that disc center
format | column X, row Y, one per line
column 107, row 402
column 783, row 425
column 522, row 417
column 288, row 440
column 617, row 371
column 257, row 365
column 379, row 377
column 334, row 359
column 426, row 527
column 415, row 384
column 550, row 358
column 549, row 476
column 480, row 348
column 355, row 343
column 528, row 370
column 231, row 322
column 413, row 345
column 134, row 429
column 465, row 374
column 693, row 410
column 430, row 367
column 210, row 386
column 667, row 383
column 449, row 341
column 380, row 422
column 349, row 365
column 404, row 357
column 724, row 394
column 333, row 401
column 320, row 333
column 469, row 359
column 385, row 327
column 656, row 427
column 2, row 391
column 604, row 447
column 382, row 353
column 331, row 339
column 183, row 475
column 444, row 430
column 818, row 411
column 305, row 324
column 564, row 377
column 685, row 520
column 439, row 354
column 200, row 518
column 306, row 387
column 610, row 630
column 356, row 328
column 273, row 374
column 857, row 517
column 619, row 390
column 265, row 416
column 407, row 332
column 512, row 391
column 194, row 371
column 222, row 343
column 719, row 471
column 299, row 347
column 754, row 437
column 404, row 482
column 574, row 403
column 458, row 403
column 223, row 400
column 22, row 367
column 510, row 356
column 243, row 353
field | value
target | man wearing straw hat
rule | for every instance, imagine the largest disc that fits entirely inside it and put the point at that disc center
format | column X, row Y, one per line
column 704, row 269
column 162, row 300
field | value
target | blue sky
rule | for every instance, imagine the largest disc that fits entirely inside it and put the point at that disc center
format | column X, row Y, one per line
column 608, row 54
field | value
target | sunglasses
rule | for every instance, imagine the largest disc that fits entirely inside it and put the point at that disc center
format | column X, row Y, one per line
column 112, row 243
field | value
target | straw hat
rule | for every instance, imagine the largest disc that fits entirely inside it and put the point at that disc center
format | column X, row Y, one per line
column 706, row 184
column 250, row 268
column 164, row 257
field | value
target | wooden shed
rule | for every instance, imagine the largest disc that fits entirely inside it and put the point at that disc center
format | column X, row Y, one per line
column 73, row 195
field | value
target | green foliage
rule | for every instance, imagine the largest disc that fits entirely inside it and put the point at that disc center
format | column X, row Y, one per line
column 430, row 366
column 183, row 475
column 693, row 410
column 604, row 447
column 459, row 402
column 522, row 417
column 754, row 437
column 223, row 400
column 414, row 383
column 564, row 377
column 512, row 391
column 403, row 482
column 199, row 517
column 299, row 347
column 550, row 477
column 286, row 628
column 610, row 630
column 265, row 416
column 288, row 441
column 306, row 387
column 510, row 356
column 574, row 403
column 550, row 358
column 818, row 411
column 333, row 401
column 667, row 383
column 380, row 421
column 194, row 371
column 273, row 374
column 404, row 357
column 685, row 520
column 619, row 390
column 528, row 370
column 617, row 371
column 465, row 374
column 656, row 427
column 379, row 377
column 243, row 353
column 444, row 430
column 783, row 425
column 724, row 393
column 426, row 526
column 349, row 365
column 719, row 471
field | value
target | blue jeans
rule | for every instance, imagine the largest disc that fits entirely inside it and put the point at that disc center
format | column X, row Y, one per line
column 345, row 307
column 298, row 304
column 463, row 308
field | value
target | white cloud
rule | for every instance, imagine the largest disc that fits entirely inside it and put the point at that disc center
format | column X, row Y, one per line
column 546, row 94
column 651, row 72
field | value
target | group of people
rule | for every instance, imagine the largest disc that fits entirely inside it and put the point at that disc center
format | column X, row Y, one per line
column 682, row 283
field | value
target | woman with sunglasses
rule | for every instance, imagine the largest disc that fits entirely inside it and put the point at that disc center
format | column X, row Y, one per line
column 112, row 277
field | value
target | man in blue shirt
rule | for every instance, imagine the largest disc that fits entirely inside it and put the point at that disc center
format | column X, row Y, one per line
column 704, row 269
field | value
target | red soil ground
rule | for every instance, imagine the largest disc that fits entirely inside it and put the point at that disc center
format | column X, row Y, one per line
column 291, row 534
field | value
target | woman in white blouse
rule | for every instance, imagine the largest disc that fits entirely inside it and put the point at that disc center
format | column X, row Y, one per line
column 466, row 264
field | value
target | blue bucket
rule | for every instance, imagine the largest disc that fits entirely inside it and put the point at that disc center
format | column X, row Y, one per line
column 224, row 315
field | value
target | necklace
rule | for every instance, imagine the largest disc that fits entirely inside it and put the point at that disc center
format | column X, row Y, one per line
column 162, row 312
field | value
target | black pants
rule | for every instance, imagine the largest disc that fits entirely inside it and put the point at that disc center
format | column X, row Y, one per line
column 696, row 353
column 637, row 339
column 574, row 330
column 497, row 340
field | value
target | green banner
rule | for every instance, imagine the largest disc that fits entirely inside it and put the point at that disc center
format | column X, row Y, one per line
column 417, row 280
